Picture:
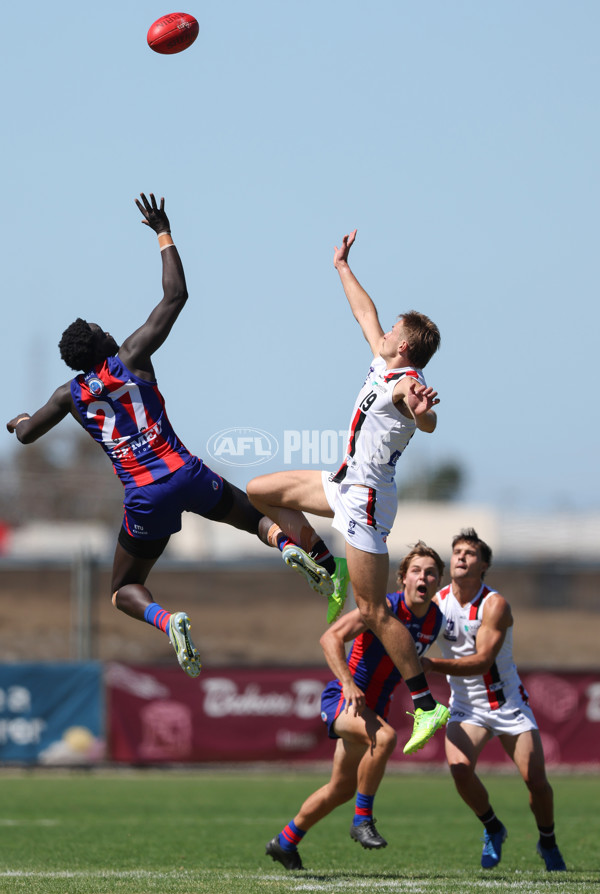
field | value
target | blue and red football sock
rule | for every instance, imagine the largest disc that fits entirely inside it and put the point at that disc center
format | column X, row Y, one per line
column 291, row 836
column 283, row 540
column 157, row 616
column 363, row 808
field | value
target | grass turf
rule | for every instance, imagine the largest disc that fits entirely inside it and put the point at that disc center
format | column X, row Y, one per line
column 176, row 832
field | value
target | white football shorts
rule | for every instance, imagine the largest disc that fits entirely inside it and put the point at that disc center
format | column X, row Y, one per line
column 510, row 719
column 363, row 515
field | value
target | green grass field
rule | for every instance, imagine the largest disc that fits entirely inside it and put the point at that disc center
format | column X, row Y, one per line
column 186, row 832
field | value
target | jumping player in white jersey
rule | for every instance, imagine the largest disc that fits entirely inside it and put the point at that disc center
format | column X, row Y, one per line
column 488, row 698
column 361, row 497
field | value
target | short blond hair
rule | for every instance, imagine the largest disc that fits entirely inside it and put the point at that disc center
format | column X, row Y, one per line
column 423, row 337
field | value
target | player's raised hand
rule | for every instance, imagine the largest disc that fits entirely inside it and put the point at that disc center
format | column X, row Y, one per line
column 11, row 426
column 340, row 255
column 154, row 216
column 420, row 399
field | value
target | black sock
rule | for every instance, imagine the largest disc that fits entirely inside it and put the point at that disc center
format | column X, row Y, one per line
column 419, row 690
column 322, row 556
column 547, row 837
column 491, row 822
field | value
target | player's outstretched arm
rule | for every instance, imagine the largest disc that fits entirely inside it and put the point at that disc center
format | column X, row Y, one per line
column 138, row 348
column 359, row 300
column 29, row 428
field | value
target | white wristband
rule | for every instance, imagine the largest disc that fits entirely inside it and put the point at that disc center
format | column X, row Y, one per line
column 170, row 245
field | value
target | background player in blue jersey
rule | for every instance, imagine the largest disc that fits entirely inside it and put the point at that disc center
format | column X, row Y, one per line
column 355, row 705
column 117, row 401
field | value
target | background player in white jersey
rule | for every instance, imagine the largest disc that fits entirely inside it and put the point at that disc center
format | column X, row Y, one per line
column 361, row 497
column 488, row 698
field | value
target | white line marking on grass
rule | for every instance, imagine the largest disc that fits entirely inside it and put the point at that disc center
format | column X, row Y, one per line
column 295, row 883
column 364, row 884
column 420, row 886
column 33, row 822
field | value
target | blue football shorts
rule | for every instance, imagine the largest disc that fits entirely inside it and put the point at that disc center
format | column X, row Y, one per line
column 332, row 704
column 154, row 510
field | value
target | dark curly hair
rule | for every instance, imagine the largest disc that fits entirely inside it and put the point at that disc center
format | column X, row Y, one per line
column 78, row 345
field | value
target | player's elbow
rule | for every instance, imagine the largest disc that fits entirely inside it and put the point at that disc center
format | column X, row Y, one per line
column 427, row 423
column 180, row 295
column 26, row 437
column 325, row 641
column 175, row 296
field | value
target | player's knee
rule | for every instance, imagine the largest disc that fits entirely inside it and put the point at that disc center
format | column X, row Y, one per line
column 387, row 738
column 253, row 487
column 537, row 783
column 115, row 598
column 461, row 773
column 373, row 615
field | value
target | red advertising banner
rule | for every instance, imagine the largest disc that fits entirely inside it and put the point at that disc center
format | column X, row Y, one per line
column 159, row 716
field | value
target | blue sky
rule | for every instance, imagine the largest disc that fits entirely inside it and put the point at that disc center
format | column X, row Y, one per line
column 460, row 138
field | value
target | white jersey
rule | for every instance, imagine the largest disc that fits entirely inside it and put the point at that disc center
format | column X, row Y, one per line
column 501, row 684
column 378, row 431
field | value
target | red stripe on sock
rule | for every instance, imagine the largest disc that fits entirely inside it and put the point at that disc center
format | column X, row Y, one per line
column 420, row 692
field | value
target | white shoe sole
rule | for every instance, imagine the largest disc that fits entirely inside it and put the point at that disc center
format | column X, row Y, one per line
column 187, row 653
column 315, row 575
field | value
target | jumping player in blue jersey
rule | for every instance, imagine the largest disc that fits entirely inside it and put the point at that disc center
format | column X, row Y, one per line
column 355, row 705
column 116, row 400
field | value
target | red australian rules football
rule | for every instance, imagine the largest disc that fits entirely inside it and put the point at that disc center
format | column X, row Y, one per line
column 173, row 33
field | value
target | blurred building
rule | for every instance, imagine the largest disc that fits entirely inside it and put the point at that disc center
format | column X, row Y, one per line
column 568, row 536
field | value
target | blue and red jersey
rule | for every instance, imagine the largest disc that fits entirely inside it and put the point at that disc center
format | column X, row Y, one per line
column 372, row 668
column 126, row 416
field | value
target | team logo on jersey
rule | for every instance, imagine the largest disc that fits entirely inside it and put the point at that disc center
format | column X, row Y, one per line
column 449, row 633
column 352, row 526
column 371, row 369
column 95, row 385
